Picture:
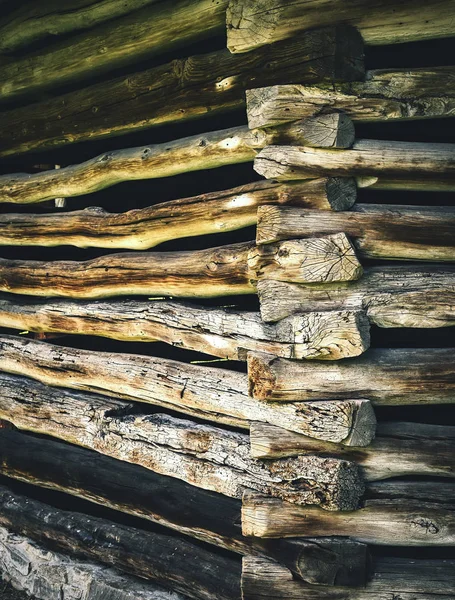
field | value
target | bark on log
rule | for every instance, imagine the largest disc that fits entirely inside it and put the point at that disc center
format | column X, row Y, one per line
column 181, row 90
column 202, row 455
column 399, row 296
column 372, row 161
column 48, row 575
column 206, row 151
column 205, row 392
column 251, row 24
column 403, row 578
column 172, row 561
column 399, row 449
column 394, row 523
column 386, row 376
column 170, row 502
column 383, row 231
column 223, row 333
column 386, row 94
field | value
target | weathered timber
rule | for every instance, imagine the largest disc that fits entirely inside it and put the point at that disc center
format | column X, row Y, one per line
column 205, row 151
column 382, row 231
column 45, row 574
column 251, row 24
column 391, row 523
column 173, row 561
column 401, row 296
column 404, row 578
column 372, row 161
column 204, row 456
column 183, row 89
column 173, row 503
column 145, row 33
column 222, row 271
column 206, row 392
column 385, row 94
column 384, row 375
column 396, row 491
column 226, row 333
column 399, row 449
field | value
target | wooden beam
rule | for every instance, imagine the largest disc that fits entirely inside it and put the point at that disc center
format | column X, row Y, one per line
column 378, row 231
column 173, row 503
column 387, row 376
column 399, row 449
column 250, row 25
column 390, row 523
column 183, row 89
column 215, row 331
column 204, row 392
column 372, row 161
column 402, row 296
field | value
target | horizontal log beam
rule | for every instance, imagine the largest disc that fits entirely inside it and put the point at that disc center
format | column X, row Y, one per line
column 219, row 332
column 170, row 502
column 386, row 376
column 402, row 296
column 250, row 25
column 379, row 231
column 180, row 90
column 204, row 392
column 386, row 94
column 399, row 449
column 375, row 162
column 394, row 523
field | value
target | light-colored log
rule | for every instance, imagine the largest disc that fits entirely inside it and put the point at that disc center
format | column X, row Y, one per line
column 402, row 296
column 386, row 94
column 219, row 332
column 399, row 449
column 371, row 160
column 253, row 23
column 379, row 231
column 387, row 376
column 394, row 523
column 188, row 88
column 204, row 392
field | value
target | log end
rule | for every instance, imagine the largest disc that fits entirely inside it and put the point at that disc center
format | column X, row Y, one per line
column 364, row 424
column 341, row 192
column 261, row 380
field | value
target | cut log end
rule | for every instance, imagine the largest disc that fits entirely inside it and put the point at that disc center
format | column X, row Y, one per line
column 363, row 425
column 341, row 192
column 261, row 380
column 331, row 130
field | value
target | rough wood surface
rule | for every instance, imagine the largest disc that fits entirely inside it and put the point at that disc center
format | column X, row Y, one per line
column 383, row 375
column 171, row 502
column 401, row 296
column 371, row 160
column 385, row 94
column 170, row 560
column 399, row 449
column 253, row 23
column 180, row 90
column 382, row 231
column 399, row 578
column 213, row 394
column 48, row 575
column 389, row 523
column 226, row 333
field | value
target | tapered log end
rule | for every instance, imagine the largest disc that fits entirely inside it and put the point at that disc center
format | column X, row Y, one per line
column 261, row 380
column 341, row 192
column 364, row 425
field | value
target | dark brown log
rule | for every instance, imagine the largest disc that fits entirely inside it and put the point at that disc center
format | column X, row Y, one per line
column 251, row 24
column 173, row 503
column 181, row 90
column 377, row 230
column 386, row 376
column 399, row 449
column 385, row 94
column 403, row 296
column 205, row 392
column 219, row 332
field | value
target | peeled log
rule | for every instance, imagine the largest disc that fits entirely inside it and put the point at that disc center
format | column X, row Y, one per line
column 382, row 231
column 386, row 376
column 219, row 332
column 205, row 392
column 402, row 296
